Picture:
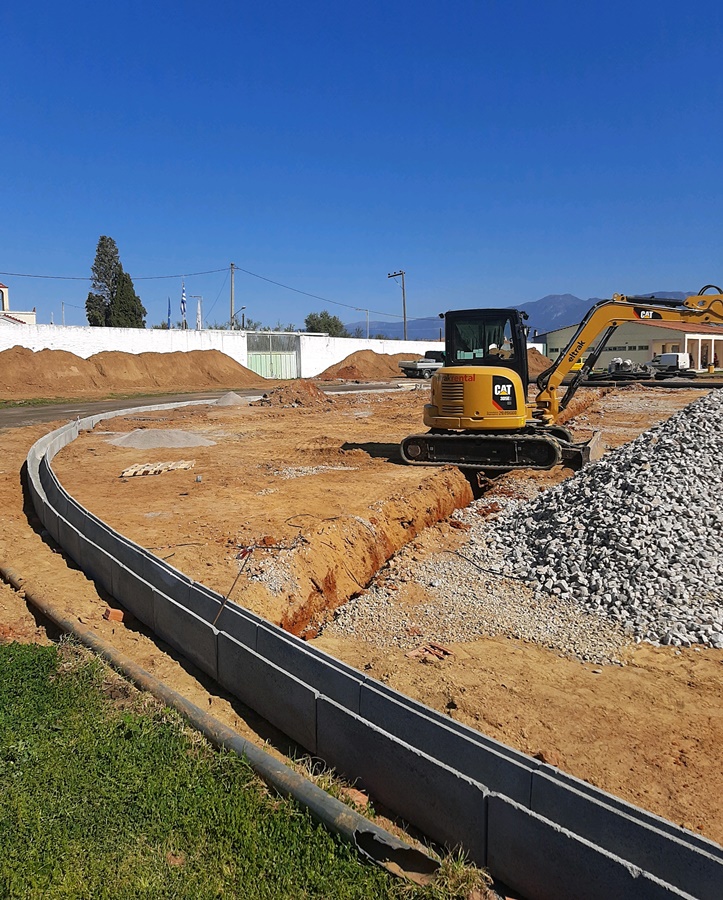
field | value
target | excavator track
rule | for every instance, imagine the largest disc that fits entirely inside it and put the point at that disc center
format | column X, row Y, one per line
column 493, row 453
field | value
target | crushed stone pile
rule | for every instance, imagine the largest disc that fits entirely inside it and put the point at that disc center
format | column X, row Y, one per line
column 230, row 399
column 296, row 393
column 149, row 438
column 636, row 537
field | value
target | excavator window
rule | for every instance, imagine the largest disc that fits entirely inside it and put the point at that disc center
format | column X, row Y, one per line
column 480, row 339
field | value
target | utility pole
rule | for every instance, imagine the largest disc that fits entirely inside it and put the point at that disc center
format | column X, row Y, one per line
column 404, row 298
column 231, row 320
column 62, row 312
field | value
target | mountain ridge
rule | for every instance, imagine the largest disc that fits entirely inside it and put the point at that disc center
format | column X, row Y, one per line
column 547, row 314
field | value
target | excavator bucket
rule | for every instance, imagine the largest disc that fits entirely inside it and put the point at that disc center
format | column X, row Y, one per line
column 575, row 456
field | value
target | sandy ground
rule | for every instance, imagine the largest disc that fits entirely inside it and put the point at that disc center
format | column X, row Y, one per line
column 299, row 483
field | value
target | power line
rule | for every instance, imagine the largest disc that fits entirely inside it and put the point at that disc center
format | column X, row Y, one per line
column 210, row 272
column 314, row 296
column 87, row 278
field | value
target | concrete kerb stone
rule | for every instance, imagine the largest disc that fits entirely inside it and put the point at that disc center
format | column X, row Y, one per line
column 204, row 602
column 165, row 578
column 136, row 595
column 49, row 518
column 446, row 805
column 646, row 818
column 240, row 624
column 195, row 639
column 539, row 859
column 667, row 857
column 69, row 540
column 462, row 751
column 273, row 693
column 292, row 654
column 458, row 727
column 53, row 492
column 95, row 562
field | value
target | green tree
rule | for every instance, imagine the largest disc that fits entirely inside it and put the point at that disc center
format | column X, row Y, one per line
column 112, row 300
column 125, row 309
column 326, row 323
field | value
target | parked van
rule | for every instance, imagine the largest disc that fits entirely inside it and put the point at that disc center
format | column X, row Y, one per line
column 667, row 361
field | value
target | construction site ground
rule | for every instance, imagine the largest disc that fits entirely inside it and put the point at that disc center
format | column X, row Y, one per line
column 300, row 479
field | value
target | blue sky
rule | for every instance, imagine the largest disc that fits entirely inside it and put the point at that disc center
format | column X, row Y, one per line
column 495, row 151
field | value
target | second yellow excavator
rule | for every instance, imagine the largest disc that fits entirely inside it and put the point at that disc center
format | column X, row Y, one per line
column 479, row 416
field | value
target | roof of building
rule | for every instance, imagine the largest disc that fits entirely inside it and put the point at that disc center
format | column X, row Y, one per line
column 6, row 317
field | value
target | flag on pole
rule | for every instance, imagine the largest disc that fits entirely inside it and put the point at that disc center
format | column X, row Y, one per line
column 183, row 304
column 199, row 324
column 169, row 313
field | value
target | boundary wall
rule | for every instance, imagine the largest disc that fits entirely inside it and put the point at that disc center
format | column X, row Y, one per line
column 547, row 835
column 317, row 351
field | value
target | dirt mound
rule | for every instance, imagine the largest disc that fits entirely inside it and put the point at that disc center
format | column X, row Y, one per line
column 56, row 373
column 297, row 393
column 45, row 373
column 536, row 362
column 365, row 365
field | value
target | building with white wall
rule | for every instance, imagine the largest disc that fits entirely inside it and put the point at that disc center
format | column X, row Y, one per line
column 640, row 343
column 16, row 317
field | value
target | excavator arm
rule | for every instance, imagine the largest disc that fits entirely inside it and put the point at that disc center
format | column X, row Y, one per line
column 606, row 316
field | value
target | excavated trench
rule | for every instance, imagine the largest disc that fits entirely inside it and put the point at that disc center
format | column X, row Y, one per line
column 314, row 485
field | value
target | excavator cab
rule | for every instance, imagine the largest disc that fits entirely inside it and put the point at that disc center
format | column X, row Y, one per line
column 487, row 337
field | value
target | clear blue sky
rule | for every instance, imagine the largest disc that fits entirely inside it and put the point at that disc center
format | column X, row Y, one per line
column 496, row 151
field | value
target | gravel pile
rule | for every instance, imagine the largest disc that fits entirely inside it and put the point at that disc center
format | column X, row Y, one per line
column 636, row 537
column 631, row 548
column 150, row 438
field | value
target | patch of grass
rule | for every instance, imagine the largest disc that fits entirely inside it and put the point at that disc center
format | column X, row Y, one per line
column 105, row 793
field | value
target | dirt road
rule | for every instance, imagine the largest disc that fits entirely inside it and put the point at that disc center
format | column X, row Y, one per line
column 302, row 483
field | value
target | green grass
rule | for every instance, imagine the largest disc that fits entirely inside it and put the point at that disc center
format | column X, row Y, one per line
column 105, row 793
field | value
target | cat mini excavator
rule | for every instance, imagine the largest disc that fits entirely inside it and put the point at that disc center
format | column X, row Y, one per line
column 479, row 416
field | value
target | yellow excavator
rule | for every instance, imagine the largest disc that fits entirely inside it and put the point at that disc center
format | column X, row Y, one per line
column 479, row 416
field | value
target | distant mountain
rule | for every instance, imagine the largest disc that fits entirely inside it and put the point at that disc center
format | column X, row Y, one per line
column 546, row 314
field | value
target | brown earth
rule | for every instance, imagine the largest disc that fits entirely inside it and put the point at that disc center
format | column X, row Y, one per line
column 319, row 492
column 365, row 365
column 27, row 374
column 536, row 362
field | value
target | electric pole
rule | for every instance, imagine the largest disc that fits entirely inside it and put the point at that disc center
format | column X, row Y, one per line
column 231, row 320
column 404, row 298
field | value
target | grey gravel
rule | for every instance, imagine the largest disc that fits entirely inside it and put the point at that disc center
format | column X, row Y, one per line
column 149, row 438
column 629, row 549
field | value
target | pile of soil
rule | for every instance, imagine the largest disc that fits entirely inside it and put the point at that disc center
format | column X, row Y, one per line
column 53, row 373
column 536, row 362
column 301, row 392
column 365, row 365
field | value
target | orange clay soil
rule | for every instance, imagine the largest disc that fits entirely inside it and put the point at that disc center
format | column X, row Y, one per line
column 56, row 373
column 320, row 491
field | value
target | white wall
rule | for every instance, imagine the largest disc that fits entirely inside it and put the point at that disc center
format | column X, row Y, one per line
column 318, row 352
